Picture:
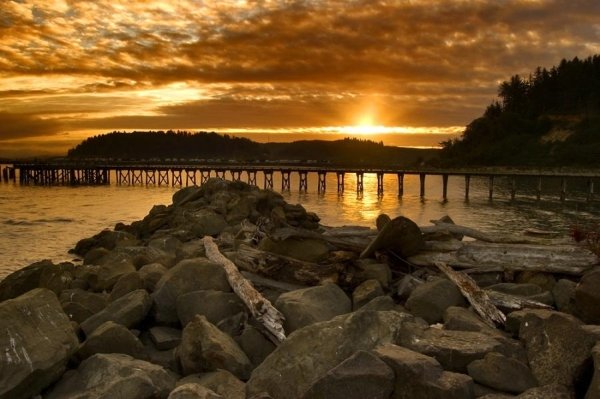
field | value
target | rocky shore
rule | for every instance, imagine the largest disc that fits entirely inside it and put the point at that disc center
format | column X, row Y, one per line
column 400, row 311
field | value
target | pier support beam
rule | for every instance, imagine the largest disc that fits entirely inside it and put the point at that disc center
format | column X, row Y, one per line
column 491, row 187
column 236, row 175
column 177, row 180
column 400, row 185
column 268, row 184
column 322, row 181
column 538, row 189
column 190, row 176
column 445, row 187
column 340, row 182
column 379, row 183
column 285, row 180
column 136, row 177
column 220, row 173
column 513, row 188
column 563, row 189
column 204, row 176
column 467, row 186
column 303, row 184
column 163, row 177
column 150, row 177
column 360, row 187
column 422, row 181
column 251, row 177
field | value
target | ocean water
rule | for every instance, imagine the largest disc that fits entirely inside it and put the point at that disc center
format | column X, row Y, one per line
column 38, row 222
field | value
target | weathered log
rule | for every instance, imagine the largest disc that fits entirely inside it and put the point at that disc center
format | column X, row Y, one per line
column 352, row 243
column 477, row 297
column 259, row 306
column 283, row 268
column 469, row 232
column 513, row 302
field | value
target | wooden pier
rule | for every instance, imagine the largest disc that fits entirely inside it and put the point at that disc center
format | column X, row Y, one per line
column 90, row 173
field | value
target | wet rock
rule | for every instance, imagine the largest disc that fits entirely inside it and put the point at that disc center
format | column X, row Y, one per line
column 309, row 353
column 111, row 337
column 187, row 276
column 151, row 274
column 365, row 292
column 429, row 300
column 382, row 303
column 114, row 376
column 564, row 295
column 193, row 391
column 557, row 347
column 125, row 284
column 502, row 373
column 454, row 349
column 129, row 310
column 165, row 338
column 23, row 280
column 256, row 346
column 362, row 375
column 107, row 239
column 223, row 383
column 36, row 341
column 205, row 348
column 214, row 305
column 306, row 249
column 420, row 376
column 80, row 305
column 57, row 278
column 310, row 305
column 587, row 298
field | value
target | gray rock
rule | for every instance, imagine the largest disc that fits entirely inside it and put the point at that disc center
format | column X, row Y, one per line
column 366, row 291
column 557, row 347
column 23, row 280
column 592, row 330
column 309, row 353
column 362, row 375
column 369, row 269
column 57, row 278
column 79, row 304
column 429, row 300
column 463, row 319
column 400, row 235
column 214, row 305
column 193, row 391
column 206, row 222
column 103, row 277
column 516, row 289
column 114, row 376
column 151, row 274
column 545, row 281
column 233, row 325
column 165, row 338
column 310, row 305
column 418, row 376
column 205, row 348
column 502, row 373
column 125, row 284
column 593, row 391
column 223, row 383
column 382, row 303
column 406, row 286
column 111, row 337
column 587, row 297
column 564, row 295
column 255, row 345
column 187, row 276
column 454, row 349
column 551, row 391
column 191, row 249
column 128, row 311
column 36, row 341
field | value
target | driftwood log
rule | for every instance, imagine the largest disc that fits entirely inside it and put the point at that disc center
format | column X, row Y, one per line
column 349, row 242
column 512, row 302
column 260, row 307
column 477, row 297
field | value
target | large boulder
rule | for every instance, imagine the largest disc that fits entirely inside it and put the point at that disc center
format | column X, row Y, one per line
column 125, row 284
column 399, row 235
column 309, row 353
column 206, row 348
column 103, row 277
column 587, row 298
column 310, row 305
column 256, row 346
column 362, row 375
column 129, row 310
column 114, row 376
column 36, row 341
column 431, row 299
column 223, row 383
column 421, row 377
column 365, row 292
column 23, row 280
column 193, row 391
column 557, row 346
column 111, row 337
column 214, row 305
column 80, row 305
column 164, row 338
column 594, row 388
column 151, row 275
column 502, row 373
column 550, row 391
column 187, row 276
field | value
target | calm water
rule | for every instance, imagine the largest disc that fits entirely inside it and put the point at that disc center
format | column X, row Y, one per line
column 44, row 222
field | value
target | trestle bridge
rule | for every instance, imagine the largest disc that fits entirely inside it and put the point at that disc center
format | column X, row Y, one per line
column 95, row 173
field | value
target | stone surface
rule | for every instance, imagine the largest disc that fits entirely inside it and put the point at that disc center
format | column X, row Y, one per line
column 214, row 305
column 125, row 284
column 104, row 376
column 551, row 391
column 165, row 338
column 205, row 348
column 36, row 341
column 418, row 376
column 429, row 300
column 111, row 337
column 362, row 375
column 187, row 276
column 593, row 391
column 516, row 289
column 193, row 391
column 103, row 277
column 128, row 310
column 256, row 346
column 382, row 303
column 365, row 292
column 564, row 295
column 463, row 319
column 402, row 236
column 371, row 270
column 587, row 298
column 307, row 249
column 23, row 280
column 79, row 304
column 309, row 353
column 151, row 274
column 557, row 347
column 223, row 383
column 545, row 281
column 502, row 373
column 310, row 305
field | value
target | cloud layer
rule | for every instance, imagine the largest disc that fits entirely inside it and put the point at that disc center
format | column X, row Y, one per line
column 69, row 65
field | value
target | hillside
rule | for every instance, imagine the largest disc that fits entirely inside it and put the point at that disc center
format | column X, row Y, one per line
column 551, row 118
column 214, row 147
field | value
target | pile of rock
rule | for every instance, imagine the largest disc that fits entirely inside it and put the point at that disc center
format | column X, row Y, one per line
column 147, row 315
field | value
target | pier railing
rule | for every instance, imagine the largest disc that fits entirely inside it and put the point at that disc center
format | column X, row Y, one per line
column 185, row 174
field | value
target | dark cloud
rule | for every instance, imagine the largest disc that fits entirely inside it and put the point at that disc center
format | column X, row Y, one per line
column 14, row 126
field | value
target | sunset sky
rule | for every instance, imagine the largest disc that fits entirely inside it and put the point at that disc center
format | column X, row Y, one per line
column 273, row 69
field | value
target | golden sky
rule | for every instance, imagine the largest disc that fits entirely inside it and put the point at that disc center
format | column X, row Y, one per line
column 71, row 68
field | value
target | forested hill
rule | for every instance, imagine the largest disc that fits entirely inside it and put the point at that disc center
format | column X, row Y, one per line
column 551, row 118
column 215, row 147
